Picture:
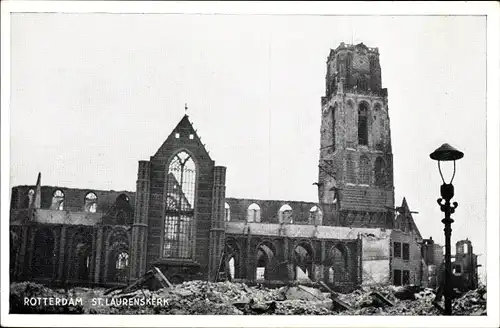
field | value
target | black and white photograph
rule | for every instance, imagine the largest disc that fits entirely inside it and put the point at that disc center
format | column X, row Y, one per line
column 323, row 164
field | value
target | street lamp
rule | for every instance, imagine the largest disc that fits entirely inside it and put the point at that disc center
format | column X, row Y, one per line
column 447, row 153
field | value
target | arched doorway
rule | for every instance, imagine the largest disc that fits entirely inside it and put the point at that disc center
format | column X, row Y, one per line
column 232, row 260
column 80, row 262
column 117, row 261
column 265, row 265
column 338, row 268
column 303, row 262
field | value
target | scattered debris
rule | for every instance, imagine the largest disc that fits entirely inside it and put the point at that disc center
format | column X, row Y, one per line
column 229, row 298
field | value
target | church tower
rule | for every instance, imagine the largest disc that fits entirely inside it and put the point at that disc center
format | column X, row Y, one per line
column 355, row 182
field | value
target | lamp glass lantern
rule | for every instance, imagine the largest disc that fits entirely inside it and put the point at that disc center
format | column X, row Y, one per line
column 447, row 153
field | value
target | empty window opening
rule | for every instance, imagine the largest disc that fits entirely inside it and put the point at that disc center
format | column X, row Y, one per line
column 57, row 201
column 91, row 202
column 315, row 215
column 253, row 213
column 337, row 258
column 364, row 170
column 179, row 209
column 29, row 198
column 191, row 136
column 466, row 248
column 230, row 265
column 363, row 124
column 285, row 214
column 397, row 278
column 406, row 252
column 457, row 269
column 397, row 249
column 227, row 211
column 331, row 275
column 177, row 135
column 406, row 277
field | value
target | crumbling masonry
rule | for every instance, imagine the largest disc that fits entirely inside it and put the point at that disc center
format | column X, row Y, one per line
column 180, row 220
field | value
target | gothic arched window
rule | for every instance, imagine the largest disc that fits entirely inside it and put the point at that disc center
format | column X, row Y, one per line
column 91, row 202
column 57, row 200
column 253, row 213
column 364, row 170
column 179, row 207
column 363, row 124
column 380, row 172
column 285, row 214
column 315, row 215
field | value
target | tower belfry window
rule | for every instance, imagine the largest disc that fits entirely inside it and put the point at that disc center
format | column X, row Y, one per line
column 363, row 124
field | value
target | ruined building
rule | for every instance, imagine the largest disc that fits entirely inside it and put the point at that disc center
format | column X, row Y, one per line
column 181, row 220
column 464, row 264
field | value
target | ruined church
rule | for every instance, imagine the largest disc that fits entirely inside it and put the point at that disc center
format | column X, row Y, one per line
column 180, row 219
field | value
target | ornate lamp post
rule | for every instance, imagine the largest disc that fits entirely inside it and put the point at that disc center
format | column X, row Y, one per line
column 447, row 153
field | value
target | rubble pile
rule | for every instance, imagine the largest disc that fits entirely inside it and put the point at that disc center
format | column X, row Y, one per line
column 471, row 303
column 21, row 292
column 226, row 298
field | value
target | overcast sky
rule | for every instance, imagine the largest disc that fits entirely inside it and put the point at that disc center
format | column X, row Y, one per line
column 92, row 94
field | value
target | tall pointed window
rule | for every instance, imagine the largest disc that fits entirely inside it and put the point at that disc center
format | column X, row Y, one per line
column 364, row 170
column 363, row 124
column 380, row 173
column 57, row 200
column 179, row 207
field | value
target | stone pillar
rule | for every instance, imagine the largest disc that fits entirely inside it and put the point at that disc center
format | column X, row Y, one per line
column 138, row 246
column 31, row 249
column 323, row 259
column 23, row 248
column 55, row 254
column 217, row 229
column 98, row 254
column 62, row 253
column 359, row 257
column 248, row 265
column 93, row 256
column 288, row 260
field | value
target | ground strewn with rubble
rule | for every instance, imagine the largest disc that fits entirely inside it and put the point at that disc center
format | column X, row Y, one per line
column 226, row 298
